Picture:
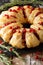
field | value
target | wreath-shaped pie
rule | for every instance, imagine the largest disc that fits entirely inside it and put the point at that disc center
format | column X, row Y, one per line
column 12, row 30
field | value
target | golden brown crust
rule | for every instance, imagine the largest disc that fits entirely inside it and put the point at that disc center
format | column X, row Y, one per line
column 11, row 26
column 38, row 19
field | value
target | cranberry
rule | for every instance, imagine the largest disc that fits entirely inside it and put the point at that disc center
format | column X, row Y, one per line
column 19, row 8
column 1, row 41
column 10, row 10
column 11, row 27
column 14, row 30
column 23, row 8
column 38, row 28
column 41, row 23
column 28, row 6
column 6, row 24
column 15, row 11
column 7, row 16
column 24, row 30
column 32, row 30
column 36, row 57
column 1, row 51
column 11, row 49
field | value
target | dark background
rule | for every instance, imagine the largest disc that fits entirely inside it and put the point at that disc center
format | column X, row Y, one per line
column 5, row 1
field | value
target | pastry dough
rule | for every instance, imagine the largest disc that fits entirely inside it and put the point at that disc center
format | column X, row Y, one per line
column 38, row 19
column 19, row 12
column 7, row 16
column 12, row 31
column 6, row 32
column 39, row 30
column 31, row 13
column 31, row 40
column 16, row 40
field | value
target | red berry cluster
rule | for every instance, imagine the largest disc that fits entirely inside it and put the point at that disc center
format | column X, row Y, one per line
column 37, row 56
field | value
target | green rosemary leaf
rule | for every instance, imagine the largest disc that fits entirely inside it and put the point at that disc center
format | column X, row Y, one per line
column 5, row 6
column 19, row 2
column 13, row 50
column 5, row 59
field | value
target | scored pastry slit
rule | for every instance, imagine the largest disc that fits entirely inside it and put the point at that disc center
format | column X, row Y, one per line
column 7, row 31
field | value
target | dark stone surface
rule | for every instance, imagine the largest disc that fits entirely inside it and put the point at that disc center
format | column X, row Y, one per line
column 4, row 1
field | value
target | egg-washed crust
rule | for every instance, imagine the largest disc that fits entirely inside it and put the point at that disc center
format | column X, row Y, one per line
column 12, row 31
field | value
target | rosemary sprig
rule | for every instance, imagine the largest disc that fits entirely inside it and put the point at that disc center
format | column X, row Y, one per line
column 19, row 2
column 5, row 6
column 8, row 48
column 5, row 59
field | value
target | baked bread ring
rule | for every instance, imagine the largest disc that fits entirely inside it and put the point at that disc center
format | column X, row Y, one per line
column 13, row 31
